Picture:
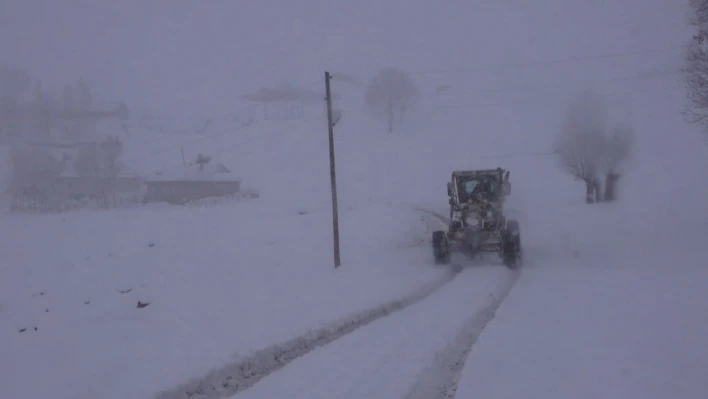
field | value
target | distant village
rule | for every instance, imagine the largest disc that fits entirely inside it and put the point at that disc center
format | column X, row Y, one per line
column 66, row 154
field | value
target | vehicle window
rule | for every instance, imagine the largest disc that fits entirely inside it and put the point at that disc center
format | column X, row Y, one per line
column 470, row 185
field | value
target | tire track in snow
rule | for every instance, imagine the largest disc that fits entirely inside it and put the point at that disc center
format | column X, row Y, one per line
column 440, row 379
column 244, row 373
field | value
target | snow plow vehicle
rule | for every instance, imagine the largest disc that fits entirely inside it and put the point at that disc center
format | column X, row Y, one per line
column 477, row 224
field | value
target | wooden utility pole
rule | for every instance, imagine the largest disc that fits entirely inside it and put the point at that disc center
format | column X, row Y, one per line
column 184, row 164
column 332, row 174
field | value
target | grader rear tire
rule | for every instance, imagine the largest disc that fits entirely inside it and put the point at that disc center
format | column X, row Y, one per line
column 441, row 248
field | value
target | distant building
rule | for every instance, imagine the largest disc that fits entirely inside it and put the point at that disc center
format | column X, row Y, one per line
column 182, row 185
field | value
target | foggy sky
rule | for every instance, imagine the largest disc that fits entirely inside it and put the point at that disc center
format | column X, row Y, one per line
column 199, row 56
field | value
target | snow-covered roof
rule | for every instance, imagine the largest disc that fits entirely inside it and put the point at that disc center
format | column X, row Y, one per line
column 210, row 172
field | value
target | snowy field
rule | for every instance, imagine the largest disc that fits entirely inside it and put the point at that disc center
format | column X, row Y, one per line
column 165, row 302
column 221, row 282
column 626, row 318
column 225, row 281
column 595, row 333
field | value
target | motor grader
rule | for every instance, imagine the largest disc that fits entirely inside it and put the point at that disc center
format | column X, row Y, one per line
column 477, row 224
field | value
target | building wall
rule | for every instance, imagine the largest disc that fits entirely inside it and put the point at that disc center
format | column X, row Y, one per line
column 88, row 186
column 180, row 192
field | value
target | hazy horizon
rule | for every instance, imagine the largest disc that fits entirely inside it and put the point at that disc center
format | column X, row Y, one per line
column 198, row 58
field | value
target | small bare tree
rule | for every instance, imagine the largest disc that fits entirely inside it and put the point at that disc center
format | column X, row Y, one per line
column 588, row 151
column 390, row 94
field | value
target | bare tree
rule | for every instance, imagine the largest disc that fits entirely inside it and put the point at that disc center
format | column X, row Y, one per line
column 33, row 170
column 700, row 12
column 588, row 150
column 697, row 66
column 390, row 94
column 581, row 142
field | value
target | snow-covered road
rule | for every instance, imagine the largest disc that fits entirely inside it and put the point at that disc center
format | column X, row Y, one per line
column 610, row 313
column 387, row 358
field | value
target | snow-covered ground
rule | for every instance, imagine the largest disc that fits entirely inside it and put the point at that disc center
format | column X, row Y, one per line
column 595, row 333
column 221, row 282
column 614, row 303
column 610, row 301
column 623, row 315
